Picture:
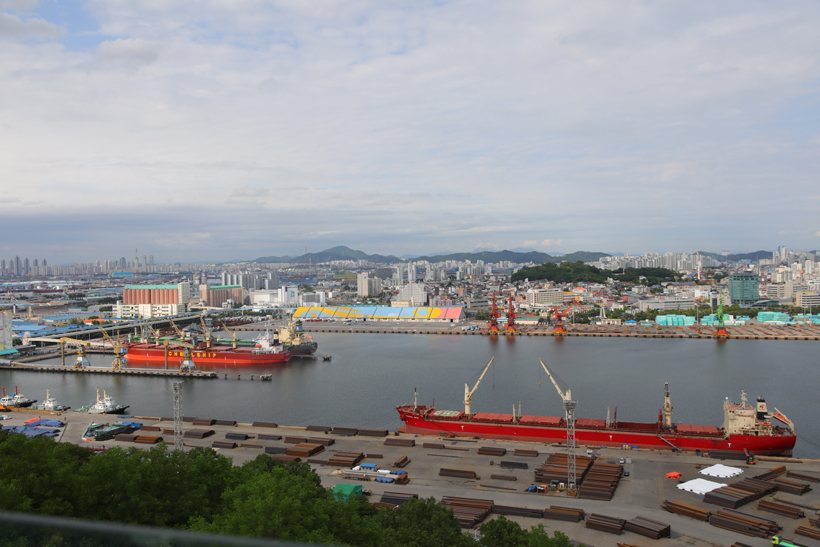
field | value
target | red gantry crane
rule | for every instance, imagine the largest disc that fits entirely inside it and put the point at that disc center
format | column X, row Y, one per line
column 492, row 324
column 511, row 315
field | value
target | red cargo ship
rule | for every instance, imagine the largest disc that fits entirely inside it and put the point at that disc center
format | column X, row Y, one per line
column 745, row 427
column 155, row 354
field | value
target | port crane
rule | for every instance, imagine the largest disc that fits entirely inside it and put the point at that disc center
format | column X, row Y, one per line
column 721, row 333
column 82, row 359
column 560, row 329
column 492, row 324
column 119, row 352
column 187, row 364
column 207, row 332
column 511, row 315
column 233, row 334
column 179, row 332
column 468, row 393
column 569, row 409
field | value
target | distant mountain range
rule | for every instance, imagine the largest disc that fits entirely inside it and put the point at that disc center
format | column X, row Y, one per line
column 346, row 253
column 738, row 257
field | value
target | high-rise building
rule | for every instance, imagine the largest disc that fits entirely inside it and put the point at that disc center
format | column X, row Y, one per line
column 744, row 289
column 17, row 266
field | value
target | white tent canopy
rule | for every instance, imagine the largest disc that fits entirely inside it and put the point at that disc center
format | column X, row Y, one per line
column 699, row 486
column 722, row 471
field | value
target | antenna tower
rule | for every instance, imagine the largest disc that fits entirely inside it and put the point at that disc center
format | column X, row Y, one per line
column 177, row 416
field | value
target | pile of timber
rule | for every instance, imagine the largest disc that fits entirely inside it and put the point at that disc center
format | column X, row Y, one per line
column 264, row 424
column 513, row 465
column 491, row 451
column 600, row 481
column 345, row 431
column 686, row 510
column 295, row 440
column 727, row 455
column 772, row 473
column 401, row 462
column 198, row 433
column 526, row 452
column 324, row 441
column 649, row 528
column 605, row 524
column 266, row 437
column 802, row 477
column 125, row 438
column 518, row 511
column 305, row 450
column 397, row 498
column 286, row 458
column 276, row 450
column 460, row 473
column 780, row 509
column 555, row 468
column 756, row 486
column 727, row 496
column 203, row 421
column 807, row 532
column 373, row 432
column 504, row 477
column 322, row 428
column 568, row 514
column 791, row 486
column 394, row 441
column 223, row 444
column 742, row 523
column 237, row 436
column 345, row 459
column 148, row 439
column 231, row 423
column 469, row 512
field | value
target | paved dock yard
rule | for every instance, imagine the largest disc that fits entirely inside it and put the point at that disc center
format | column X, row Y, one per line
column 640, row 494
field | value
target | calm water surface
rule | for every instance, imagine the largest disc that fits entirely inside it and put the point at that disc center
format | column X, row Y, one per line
column 372, row 373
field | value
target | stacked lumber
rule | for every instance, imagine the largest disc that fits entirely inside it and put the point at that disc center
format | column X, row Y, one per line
column 791, row 486
column 649, row 528
column 526, row 452
column 600, row 481
column 198, row 433
column 518, row 511
column 265, row 437
column 393, row 441
column 780, row 509
column 148, row 439
column 397, row 498
column 807, row 532
column 276, row 450
column 237, row 436
column 373, row 432
column 568, row 514
column 345, row 431
column 231, row 423
column 555, row 468
column 322, row 428
column 491, row 451
column 286, row 458
column 203, row 421
column 469, row 512
column 324, row 441
column 513, row 465
column 726, row 496
column 772, row 473
column 401, row 462
column 305, row 450
column 345, row 459
column 460, row 473
column 504, row 477
column 756, row 486
column 264, row 424
column 802, row 477
column 295, row 440
column 433, row 446
column 686, row 510
column 742, row 523
column 223, row 444
column 125, row 438
column 605, row 524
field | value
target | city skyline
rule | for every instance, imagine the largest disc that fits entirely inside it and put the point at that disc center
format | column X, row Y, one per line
column 225, row 131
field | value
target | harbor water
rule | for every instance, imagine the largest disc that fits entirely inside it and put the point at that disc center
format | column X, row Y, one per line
column 370, row 374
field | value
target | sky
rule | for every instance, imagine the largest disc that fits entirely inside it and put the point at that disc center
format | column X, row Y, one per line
column 215, row 130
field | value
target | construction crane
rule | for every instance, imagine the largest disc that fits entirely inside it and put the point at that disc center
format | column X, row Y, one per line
column 468, row 393
column 569, row 409
column 82, row 359
column 119, row 351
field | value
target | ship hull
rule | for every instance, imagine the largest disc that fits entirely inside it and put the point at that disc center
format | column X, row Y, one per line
column 613, row 437
column 308, row 348
column 151, row 354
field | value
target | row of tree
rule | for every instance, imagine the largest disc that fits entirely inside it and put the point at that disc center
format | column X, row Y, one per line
column 578, row 272
column 201, row 490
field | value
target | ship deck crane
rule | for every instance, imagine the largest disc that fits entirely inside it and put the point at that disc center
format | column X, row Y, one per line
column 569, row 409
column 179, row 332
column 207, row 332
column 82, row 359
column 468, row 393
column 233, row 334
column 187, row 364
column 119, row 360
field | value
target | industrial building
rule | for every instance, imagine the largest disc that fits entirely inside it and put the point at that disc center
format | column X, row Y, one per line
column 216, row 296
column 153, row 300
column 375, row 313
column 744, row 289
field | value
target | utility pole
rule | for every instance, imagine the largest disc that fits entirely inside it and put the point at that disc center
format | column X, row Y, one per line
column 177, row 416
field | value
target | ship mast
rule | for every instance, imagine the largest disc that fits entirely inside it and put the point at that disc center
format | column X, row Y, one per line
column 468, row 393
column 569, row 409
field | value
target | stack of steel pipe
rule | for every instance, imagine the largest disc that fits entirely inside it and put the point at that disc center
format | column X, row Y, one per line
column 555, row 468
column 305, row 450
column 324, row 441
column 791, row 486
column 223, row 444
column 373, row 432
column 345, row 459
column 276, row 450
column 802, row 477
column 150, row 428
column 345, row 431
column 433, row 446
column 772, row 473
column 401, row 462
column 264, row 424
column 780, row 509
column 518, row 511
column 461, row 473
column 375, row 456
column 757, row 487
column 504, row 477
column 295, row 440
column 742, row 523
column 264, row 437
column 236, row 436
column 649, row 528
column 393, row 441
column 231, row 423
column 807, row 532
column 605, row 524
column 513, row 465
column 727, row 455
column 740, row 544
column 198, row 433
column 815, row 522
column 686, row 510
column 568, row 514
column 726, row 496
column 125, row 438
column 468, row 511
column 600, row 481
column 491, row 451
column 525, row 452
column 204, row 421
column 148, row 439
column 397, row 498
column 321, row 428
column 285, row 457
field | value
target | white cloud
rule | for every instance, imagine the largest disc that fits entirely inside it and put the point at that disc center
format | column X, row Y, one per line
column 130, row 53
column 13, row 27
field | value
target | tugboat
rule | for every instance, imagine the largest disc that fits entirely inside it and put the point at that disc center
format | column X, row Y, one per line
column 18, row 399
column 51, row 404
column 106, row 405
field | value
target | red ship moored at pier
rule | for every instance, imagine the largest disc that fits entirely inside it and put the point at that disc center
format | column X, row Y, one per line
column 155, row 354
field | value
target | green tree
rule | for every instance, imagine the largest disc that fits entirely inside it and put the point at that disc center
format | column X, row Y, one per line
column 422, row 523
